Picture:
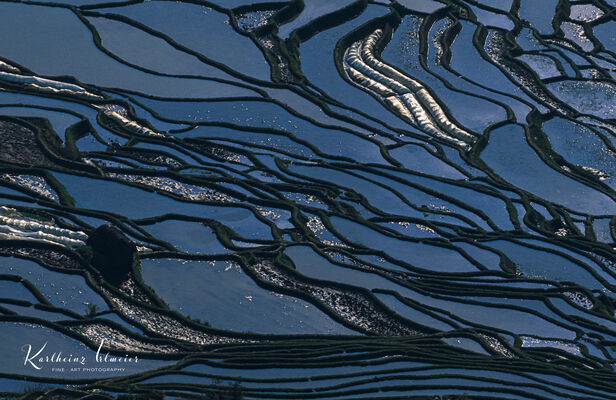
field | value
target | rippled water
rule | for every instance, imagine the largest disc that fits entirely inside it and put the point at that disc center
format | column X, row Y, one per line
column 330, row 199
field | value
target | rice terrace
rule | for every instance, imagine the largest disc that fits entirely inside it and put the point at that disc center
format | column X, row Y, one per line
column 308, row 199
